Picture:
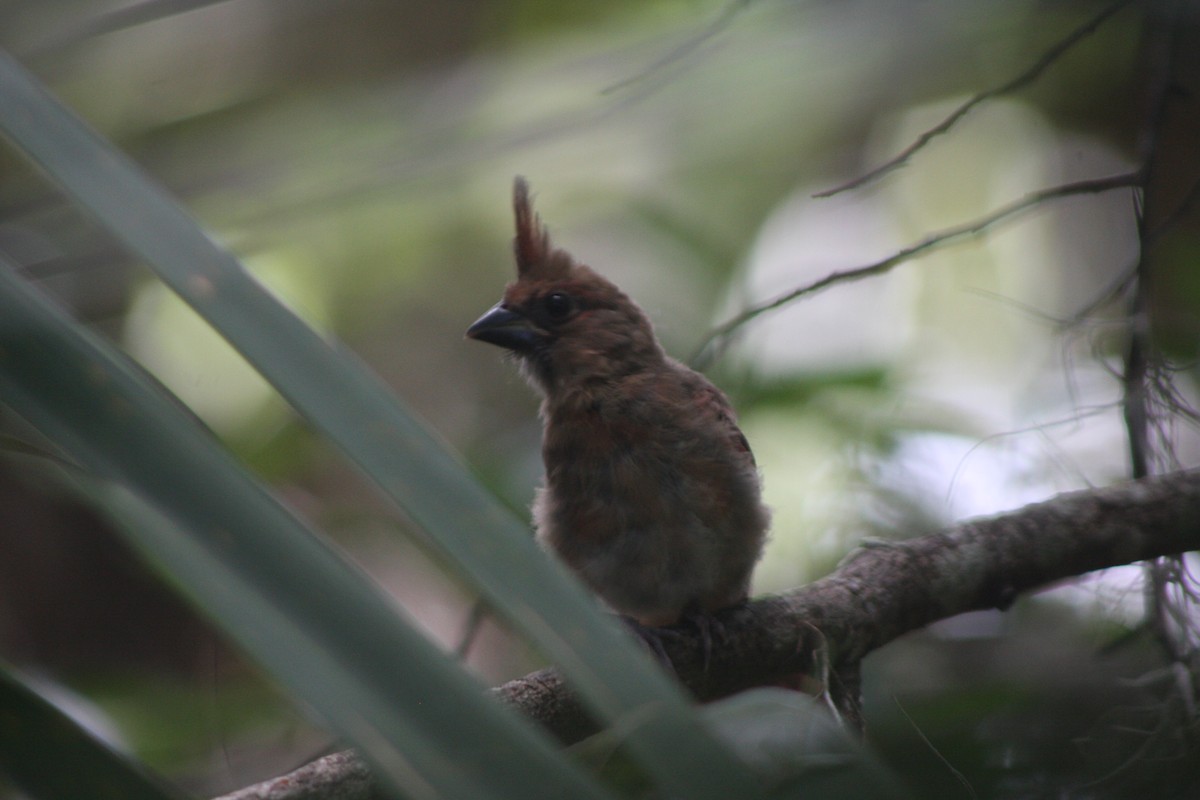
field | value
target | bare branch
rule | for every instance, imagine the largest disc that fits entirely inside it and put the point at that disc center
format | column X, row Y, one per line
column 1147, row 387
column 718, row 25
column 340, row 776
column 711, row 347
column 879, row 594
column 1138, row 355
column 1027, row 77
column 1170, row 220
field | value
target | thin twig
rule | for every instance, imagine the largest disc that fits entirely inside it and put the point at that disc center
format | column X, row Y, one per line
column 1170, row 220
column 1076, row 418
column 1127, row 278
column 1108, row 294
column 682, row 51
column 1139, row 755
column 1152, row 401
column 955, row 771
column 1136, row 365
column 710, row 348
column 1140, row 358
column 1027, row 77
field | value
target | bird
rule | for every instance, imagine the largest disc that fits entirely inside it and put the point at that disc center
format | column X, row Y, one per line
column 652, row 496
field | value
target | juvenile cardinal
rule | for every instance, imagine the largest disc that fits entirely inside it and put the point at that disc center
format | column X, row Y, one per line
column 652, row 496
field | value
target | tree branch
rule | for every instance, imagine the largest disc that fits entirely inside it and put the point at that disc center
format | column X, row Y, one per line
column 934, row 241
column 882, row 592
column 340, row 776
column 1022, row 80
column 1148, row 386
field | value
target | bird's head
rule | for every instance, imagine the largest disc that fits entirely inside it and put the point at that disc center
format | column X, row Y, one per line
column 569, row 326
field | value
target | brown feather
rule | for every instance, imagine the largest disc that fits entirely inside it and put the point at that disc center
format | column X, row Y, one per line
column 537, row 259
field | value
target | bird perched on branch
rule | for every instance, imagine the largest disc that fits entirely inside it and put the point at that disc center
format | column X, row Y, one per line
column 652, row 496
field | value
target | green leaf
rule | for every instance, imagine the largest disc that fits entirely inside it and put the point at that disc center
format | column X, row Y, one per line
column 50, row 756
column 796, row 744
column 797, row 748
column 347, row 403
column 301, row 610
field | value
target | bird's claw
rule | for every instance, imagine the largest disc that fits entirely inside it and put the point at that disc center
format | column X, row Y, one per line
column 652, row 638
column 707, row 626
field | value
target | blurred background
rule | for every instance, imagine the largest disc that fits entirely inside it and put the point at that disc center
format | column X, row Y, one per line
column 358, row 156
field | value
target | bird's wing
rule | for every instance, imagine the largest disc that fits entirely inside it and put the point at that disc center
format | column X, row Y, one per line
column 711, row 405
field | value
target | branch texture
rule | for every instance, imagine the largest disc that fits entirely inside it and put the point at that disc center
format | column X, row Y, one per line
column 340, row 776
column 884, row 591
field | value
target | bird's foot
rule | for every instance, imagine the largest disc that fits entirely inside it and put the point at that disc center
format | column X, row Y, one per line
column 708, row 626
column 652, row 638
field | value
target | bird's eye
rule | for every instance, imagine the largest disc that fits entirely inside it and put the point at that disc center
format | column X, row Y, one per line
column 558, row 305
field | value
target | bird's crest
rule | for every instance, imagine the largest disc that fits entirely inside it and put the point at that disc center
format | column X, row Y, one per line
column 537, row 258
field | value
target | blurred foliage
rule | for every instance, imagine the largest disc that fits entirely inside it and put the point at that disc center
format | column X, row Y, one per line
column 359, row 155
column 38, row 740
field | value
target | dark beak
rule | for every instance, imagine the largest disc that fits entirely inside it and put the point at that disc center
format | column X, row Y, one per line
column 505, row 328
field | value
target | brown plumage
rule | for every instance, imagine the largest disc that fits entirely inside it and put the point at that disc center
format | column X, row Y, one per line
column 652, row 496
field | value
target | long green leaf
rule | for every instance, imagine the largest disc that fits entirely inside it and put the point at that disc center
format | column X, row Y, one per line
column 50, row 756
column 315, row 621
column 344, row 400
